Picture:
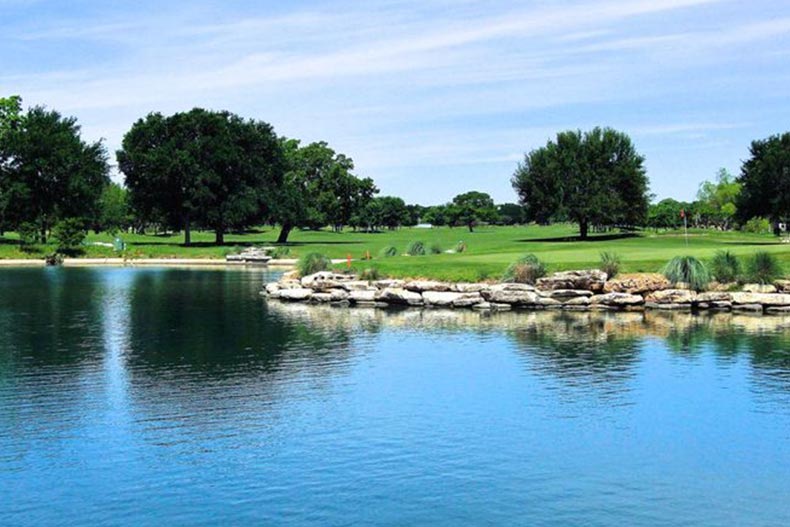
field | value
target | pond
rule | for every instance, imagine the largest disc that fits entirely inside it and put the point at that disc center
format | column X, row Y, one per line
column 180, row 397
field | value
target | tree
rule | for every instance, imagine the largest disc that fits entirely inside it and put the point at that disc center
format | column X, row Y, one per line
column 595, row 178
column 511, row 214
column 471, row 208
column 765, row 181
column 666, row 214
column 319, row 189
column 717, row 200
column 114, row 209
column 436, row 215
column 47, row 172
column 213, row 169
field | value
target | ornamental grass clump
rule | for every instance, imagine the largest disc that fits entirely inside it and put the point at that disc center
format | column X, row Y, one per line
column 370, row 273
column 725, row 267
column 388, row 252
column 416, row 249
column 610, row 263
column 436, row 248
column 280, row 252
column 461, row 247
column 763, row 268
column 312, row 263
column 525, row 270
column 687, row 270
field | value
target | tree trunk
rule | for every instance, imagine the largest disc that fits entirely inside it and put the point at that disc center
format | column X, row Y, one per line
column 43, row 235
column 187, row 231
column 284, row 232
column 583, row 228
column 220, row 237
column 471, row 227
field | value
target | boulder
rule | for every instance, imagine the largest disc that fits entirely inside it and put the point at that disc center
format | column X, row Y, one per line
column 400, row 296
column 324, row 280
column 440, row 298
column 565, row 294
column 616, row 300
column 469, row 287
column 272, row 289
column 360, row 296
column 549, row 303
column 782, row 286
column 338, row 295
column 714, row 296
column 512, row 294
column 451, row 299
column 759, row 288
column 577, row 301
column 381, row 284
column 765, row 299
column 756, row 308
column 591, row 280
column 421, row 286
column 636, row 283
column 357, row 285
column 296, row 294
column 321, row 298
column 289, row 284
column 671, row 296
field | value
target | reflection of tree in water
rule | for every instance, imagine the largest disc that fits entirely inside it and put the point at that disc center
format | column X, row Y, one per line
column 592, row 351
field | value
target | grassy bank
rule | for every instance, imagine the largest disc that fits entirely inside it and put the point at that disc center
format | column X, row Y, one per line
column 489, row 249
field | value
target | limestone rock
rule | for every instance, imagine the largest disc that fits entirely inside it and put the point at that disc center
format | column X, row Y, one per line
column 338, row 295
column 321, row 298
column 467, row 300
column 357, row 285
column 421, row 286
column 566, row 294
column 759, row 288
column 714, row 296
column 324, row 280
column 617, row 300
column 782, row 286
column 360, row 295
column 272, row 289
column 440, row 298
column 381, row 284
column 296, row 294
column 591, row 279
column 469, row 287
column 636, row 283
column 578, row 301
column 765, row 299
column 671, row 296
column 399, row 295
column 513, row 294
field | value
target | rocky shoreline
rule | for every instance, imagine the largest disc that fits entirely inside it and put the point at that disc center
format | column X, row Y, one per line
column 584, row 290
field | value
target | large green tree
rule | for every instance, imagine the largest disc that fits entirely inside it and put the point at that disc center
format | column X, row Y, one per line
column 319, row 189
column 765, row 181
column 47, row 172
column 717, row 199
column 592, row 178
column 471, row 208
column 212, row 169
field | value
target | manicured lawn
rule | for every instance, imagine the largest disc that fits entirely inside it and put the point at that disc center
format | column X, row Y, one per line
column 490, row 249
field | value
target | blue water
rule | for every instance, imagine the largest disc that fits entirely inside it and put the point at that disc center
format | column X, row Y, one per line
column 180, row 397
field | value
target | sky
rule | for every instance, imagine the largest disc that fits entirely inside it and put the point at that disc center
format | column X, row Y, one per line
column 430, row 98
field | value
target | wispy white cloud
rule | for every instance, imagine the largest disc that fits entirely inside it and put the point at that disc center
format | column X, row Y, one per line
column 404, row 84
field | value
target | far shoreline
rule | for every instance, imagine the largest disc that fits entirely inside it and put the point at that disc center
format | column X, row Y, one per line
column 159, row 262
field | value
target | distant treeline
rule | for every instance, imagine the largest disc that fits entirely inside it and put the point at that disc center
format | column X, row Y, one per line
column 214, row 170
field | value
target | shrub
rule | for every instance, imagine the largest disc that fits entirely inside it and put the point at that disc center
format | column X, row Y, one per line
column 370, row 273
column 610, row 263
column 28, row 234
column 416, row 249
column 725, row 266
column 54, row 259
column 436, row 248
column 280, row 252
column 688, row 270
column 460, row 247
column 525, row 270
column 388, row 252
column 757, row 225
column 69, row 235
column 763, row 268
column 313, row 263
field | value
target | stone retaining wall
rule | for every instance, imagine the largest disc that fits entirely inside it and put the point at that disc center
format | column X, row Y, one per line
column 570, row 290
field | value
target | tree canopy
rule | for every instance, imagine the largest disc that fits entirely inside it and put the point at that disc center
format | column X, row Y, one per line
column 717, row 199
column 471, row 208
column 319, row 188
column 213, row 169
column 765, row 180
column 592, row 178
column 47, row 172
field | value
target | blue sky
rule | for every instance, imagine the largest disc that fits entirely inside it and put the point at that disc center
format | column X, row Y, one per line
column 430, row 98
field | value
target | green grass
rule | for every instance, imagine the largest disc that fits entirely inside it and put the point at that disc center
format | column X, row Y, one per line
column 489, row 249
